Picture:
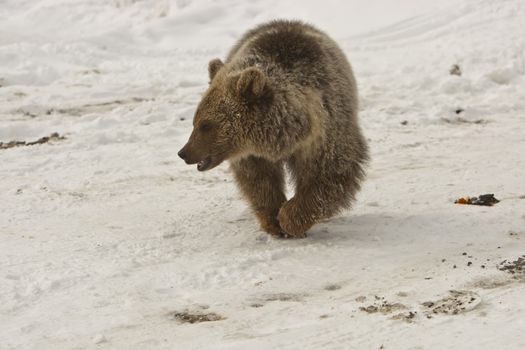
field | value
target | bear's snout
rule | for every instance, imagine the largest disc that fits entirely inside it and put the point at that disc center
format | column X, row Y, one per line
column 187, row 156
column 182, row 154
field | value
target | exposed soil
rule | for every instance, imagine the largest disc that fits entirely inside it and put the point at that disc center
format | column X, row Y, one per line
column 86, row 108
column 283, row 297
column 98, row 107
column 53, row 137
column 455, row 303
column 460, row 120
column 332, row 287
column 383, row 307
column 455, row 70
column 516, row 267
column 386, row 308
column 197, row 317
column 405, row 316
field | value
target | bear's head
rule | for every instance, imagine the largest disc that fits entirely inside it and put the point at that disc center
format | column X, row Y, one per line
column 225, row 115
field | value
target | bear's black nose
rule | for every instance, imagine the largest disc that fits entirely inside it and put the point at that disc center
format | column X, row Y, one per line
column 182, row 154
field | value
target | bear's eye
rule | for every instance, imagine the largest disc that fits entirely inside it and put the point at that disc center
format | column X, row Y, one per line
column 205, row 126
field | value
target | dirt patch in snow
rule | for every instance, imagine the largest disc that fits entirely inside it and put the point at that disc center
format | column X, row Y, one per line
column 283, row 297
column 455, row 70
column 53, row 137
column 382, row 306
column 332, row 287
column 99, row 107
column 386, row 308
column 405, row 316
column 455, row 303
column 77, row 111
column 515, row 268
column 491, row 283
column 460, row 120
column 196, row 317
column 360, row 299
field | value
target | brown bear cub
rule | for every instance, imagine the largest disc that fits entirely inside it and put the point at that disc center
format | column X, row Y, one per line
column 284, row 97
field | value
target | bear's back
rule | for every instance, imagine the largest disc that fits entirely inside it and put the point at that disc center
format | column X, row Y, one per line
column 285, row 43
column 294, row 51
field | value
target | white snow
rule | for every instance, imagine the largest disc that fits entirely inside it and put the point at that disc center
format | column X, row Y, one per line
column 106, row 235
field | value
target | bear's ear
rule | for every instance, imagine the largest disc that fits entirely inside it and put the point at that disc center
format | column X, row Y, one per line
column 213, row 67
column 251, row 84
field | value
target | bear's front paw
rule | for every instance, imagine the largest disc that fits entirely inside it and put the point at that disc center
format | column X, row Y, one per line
column 292, row 219
column 272, row 227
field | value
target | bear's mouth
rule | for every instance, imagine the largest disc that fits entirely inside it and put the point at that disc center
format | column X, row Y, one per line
column 204, row 164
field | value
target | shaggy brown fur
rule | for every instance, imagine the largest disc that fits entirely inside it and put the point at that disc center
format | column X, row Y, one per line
column 285, row 96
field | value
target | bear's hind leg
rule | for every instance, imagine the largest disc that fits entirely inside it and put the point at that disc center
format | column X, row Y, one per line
column 262, row 183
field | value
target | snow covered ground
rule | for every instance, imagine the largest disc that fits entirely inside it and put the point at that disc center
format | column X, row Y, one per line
column 109, row 241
